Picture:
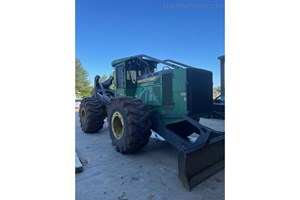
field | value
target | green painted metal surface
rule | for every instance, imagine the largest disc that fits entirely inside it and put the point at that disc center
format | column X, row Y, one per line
column 164, row 91
column 120, row 61
column 150, row 90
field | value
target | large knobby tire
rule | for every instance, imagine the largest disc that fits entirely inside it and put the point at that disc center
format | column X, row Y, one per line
column 183, row 128
column 129, row 124
column 92, row 115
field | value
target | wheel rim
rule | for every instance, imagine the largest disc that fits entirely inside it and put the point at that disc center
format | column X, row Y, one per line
column 117, row 125
column 83, row 115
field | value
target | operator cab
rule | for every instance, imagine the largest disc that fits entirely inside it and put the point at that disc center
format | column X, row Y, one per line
column 130, row 71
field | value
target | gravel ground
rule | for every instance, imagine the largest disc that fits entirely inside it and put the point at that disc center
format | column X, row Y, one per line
column 150, row 174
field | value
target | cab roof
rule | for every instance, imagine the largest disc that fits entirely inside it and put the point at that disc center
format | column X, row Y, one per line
column 148, row 59
column 122, row 61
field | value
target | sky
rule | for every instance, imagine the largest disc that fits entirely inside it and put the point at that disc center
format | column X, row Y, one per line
column 191, row 32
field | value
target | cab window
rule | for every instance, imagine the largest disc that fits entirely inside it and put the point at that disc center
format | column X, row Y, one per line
column 131, row 78
column 120, row 75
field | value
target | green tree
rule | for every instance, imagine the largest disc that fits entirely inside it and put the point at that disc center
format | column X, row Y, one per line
column 217, row 89
column 82, row 84
column 113, row 86
column 103, row 78
column 216, row 92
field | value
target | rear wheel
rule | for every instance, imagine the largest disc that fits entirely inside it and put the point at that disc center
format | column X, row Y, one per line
column 92, row 115
column 129, row 124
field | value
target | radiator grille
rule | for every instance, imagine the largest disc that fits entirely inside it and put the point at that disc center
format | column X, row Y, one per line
column 156, row 92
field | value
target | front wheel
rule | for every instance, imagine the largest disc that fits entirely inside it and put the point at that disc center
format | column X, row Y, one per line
column 129, row 124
